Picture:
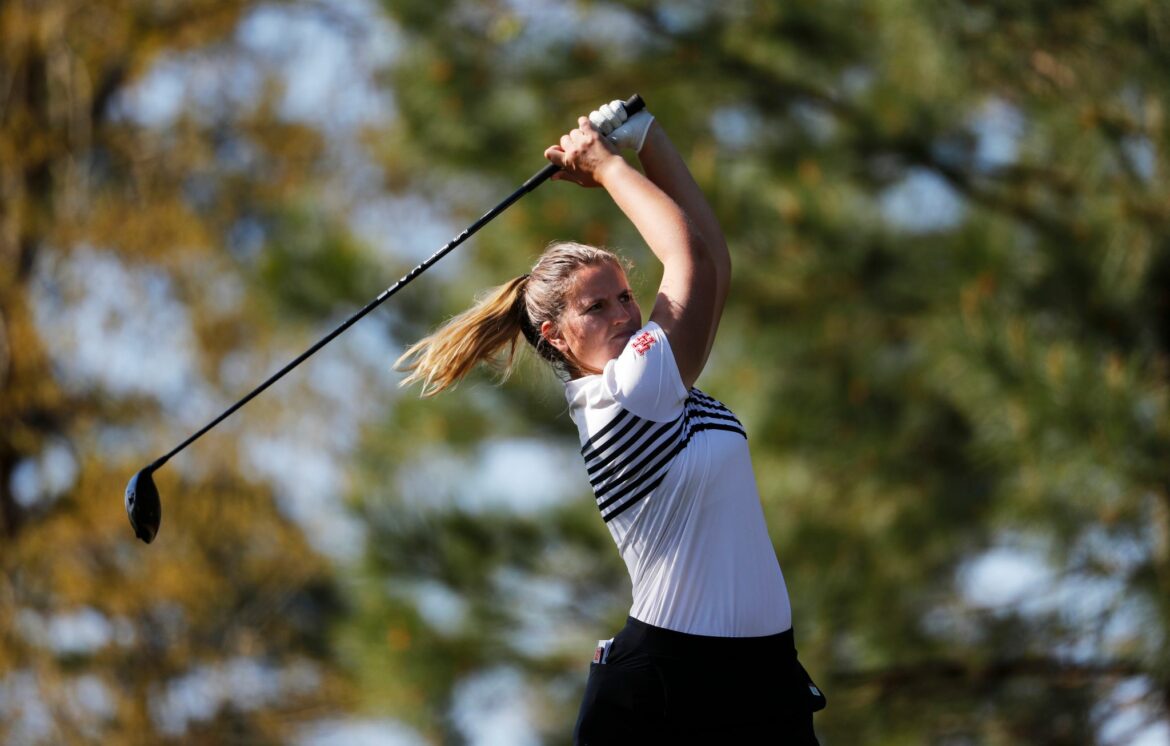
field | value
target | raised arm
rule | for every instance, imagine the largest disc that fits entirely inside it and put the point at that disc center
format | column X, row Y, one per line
column 690, row 297
column 665, row 167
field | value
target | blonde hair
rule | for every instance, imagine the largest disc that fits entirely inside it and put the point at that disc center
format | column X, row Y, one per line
column 489, row 330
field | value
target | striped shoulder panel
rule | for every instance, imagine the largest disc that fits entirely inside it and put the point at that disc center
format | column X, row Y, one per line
column 629, row 457
column 709, row 407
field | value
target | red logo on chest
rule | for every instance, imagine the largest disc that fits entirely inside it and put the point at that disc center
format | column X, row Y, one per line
column 643, row 342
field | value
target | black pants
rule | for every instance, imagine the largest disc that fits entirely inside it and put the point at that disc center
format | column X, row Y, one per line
column 662, row 686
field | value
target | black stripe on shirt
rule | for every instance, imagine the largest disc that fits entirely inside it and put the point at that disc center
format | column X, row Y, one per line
column 640, row 474
column 628, row 456
column 635, row 441
column 615, row 440
column 724, row 415
column 608, row 426
column 704, row 397
column 702, row 400
column 638, row 455
column 635, row 499
column 642, row 470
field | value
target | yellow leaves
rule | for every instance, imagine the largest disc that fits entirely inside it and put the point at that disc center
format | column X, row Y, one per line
column 441, row 70
column 809, row 172
column 398, row 639
column 912, row 52
column 153, row 231
column 557, row 209
column 597, row 233
column 505, row 28
column 31, row 24
column 84, row 554
column 789, row 206
column 1055, row 364
column 704, row 161
column 1052, row 70
column 973, row 297
column 747, row 379
column 1016, row 336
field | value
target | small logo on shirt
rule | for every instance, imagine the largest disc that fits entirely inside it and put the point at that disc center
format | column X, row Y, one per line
column 643, row 342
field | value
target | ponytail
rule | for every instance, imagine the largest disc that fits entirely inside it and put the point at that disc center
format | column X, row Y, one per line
column 496, row 322
column 479, row 334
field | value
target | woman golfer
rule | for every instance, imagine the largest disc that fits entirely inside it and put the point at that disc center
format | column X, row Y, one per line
column 707, row 654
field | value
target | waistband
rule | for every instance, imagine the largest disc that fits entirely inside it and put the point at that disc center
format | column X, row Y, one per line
column 669, row 642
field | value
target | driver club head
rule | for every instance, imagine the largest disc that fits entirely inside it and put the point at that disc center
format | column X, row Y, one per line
column 143, row 506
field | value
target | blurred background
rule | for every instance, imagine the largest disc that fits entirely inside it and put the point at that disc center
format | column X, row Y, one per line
column 948, row 338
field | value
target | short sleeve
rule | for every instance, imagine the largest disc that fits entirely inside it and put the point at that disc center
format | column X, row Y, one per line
column 644, row 379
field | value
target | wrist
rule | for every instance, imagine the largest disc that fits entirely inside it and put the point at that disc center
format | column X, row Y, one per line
column 610, row 169
column 655, row 139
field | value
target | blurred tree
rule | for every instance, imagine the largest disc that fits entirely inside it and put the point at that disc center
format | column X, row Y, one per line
column 948, row 337
column 126, row 302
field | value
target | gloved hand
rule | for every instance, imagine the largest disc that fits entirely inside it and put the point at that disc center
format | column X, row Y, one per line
column 614, row 124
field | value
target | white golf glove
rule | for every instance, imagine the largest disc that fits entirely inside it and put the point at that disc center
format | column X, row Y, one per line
column 622, row 130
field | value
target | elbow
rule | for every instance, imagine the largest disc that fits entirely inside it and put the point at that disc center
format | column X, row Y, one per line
column 713, row 260
column 704, row 250
column 720, row 260
column 704, row 260
column 706, row 270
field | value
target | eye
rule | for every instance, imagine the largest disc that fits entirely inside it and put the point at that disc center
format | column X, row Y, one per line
column 594, row 307
column 626, row 297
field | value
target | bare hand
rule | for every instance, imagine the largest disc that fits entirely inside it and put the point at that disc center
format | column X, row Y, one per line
column 583, row 154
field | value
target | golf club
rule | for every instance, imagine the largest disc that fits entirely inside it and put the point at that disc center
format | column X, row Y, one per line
column 143, row 505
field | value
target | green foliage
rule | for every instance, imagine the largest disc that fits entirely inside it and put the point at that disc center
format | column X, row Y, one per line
column 311, row 269
column 920, row 384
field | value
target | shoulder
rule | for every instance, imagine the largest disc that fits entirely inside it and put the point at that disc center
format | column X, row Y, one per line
column 643, row 379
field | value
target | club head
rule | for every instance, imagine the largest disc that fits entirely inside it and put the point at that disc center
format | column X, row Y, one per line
column 143, row 506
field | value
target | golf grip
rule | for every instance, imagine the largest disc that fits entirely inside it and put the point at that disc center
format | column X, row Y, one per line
column 633, row 105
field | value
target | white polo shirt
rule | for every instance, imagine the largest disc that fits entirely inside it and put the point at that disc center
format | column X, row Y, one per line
column 673, row 480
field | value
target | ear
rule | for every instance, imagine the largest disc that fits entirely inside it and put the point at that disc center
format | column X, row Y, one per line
column 552, row 334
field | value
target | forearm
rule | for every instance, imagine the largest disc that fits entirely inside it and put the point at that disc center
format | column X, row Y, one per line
column 688, row 299
column 662, row 222
column 666, row 168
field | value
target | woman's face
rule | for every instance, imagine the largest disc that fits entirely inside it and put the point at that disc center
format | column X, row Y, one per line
column 599, row 318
